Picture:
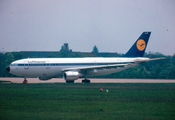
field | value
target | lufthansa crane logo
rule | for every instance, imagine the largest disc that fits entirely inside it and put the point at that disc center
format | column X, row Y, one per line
column 141, row 45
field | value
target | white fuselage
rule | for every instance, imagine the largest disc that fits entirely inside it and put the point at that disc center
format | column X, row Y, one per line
column 47, row 68
column 74, row 68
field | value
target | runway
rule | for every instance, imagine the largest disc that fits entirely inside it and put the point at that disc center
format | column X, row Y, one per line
column 61, row 80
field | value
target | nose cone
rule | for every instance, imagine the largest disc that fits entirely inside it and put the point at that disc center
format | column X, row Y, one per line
column 8, row 68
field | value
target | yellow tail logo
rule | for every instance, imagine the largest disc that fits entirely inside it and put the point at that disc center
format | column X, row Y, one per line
column 141, row 45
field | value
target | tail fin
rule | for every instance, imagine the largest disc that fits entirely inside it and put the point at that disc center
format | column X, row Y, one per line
column 138, row 48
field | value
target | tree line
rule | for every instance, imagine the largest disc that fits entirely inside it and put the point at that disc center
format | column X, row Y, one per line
column 161, row 69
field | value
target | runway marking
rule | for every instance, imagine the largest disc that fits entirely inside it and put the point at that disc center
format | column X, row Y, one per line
column 61, row 80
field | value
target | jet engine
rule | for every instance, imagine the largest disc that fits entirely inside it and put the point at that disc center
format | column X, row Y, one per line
column 72, row 75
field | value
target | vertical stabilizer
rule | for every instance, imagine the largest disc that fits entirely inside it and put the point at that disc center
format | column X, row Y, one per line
column 139, row 47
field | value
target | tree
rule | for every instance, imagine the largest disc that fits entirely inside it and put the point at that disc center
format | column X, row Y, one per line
column 65, row 48
column 9, row 58
column 95, row 50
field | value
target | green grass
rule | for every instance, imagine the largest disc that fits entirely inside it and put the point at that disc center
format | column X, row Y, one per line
column 85, row 101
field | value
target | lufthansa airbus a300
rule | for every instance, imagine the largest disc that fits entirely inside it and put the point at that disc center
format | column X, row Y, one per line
column 75, row 68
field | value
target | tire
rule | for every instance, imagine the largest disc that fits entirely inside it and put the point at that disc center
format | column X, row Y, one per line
column 70, row 81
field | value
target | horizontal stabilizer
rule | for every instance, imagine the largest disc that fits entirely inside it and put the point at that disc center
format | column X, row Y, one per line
column 147, row 60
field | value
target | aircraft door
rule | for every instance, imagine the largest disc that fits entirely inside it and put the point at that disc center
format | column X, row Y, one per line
column 26, row 65
column 47, row 65
column 95, row 63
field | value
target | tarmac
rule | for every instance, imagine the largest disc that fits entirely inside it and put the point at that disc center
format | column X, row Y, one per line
column 7, row 80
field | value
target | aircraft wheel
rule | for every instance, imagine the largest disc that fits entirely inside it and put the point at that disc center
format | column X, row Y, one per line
column 70, row 81
column 86, row 81
column 25, row 81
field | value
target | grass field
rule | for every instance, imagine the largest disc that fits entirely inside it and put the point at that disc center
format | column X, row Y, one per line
column 85, row 101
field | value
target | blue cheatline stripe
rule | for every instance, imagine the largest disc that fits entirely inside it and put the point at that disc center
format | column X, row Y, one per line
column 70, row 64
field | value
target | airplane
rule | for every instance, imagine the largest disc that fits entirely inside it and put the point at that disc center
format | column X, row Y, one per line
column 75, row 68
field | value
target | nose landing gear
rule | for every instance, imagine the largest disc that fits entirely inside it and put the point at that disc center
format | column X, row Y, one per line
column 25, row 81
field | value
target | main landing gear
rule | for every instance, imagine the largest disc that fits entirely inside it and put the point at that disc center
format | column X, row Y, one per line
column 25, row 81
column 86, row 81
column 70, row 81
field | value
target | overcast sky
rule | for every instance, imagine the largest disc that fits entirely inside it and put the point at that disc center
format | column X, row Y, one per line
column 111, row 25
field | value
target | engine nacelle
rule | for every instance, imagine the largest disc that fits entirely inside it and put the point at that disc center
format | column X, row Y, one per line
column 71, row 75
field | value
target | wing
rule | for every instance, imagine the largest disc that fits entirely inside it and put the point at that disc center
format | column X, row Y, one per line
column 95, row 67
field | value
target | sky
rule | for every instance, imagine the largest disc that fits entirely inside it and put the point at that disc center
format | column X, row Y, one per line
column 111, row 25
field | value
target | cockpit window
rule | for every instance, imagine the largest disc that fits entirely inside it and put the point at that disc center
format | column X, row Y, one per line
column 14, row 65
